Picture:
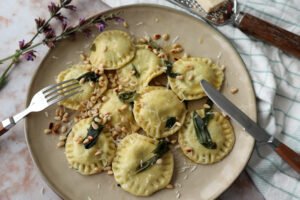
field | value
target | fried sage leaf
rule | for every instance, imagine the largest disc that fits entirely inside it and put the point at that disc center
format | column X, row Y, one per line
column 170, row 122
column 127, row 97
column 94, row 134
column 169, row 67
column 201, row 129
column 161, row 148
column 136, row 72
column 89, row 76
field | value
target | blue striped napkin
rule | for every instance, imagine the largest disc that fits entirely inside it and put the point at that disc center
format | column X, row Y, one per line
column 276, row 80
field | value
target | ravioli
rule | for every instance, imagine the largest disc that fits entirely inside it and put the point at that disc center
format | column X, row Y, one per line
column 141, row 70
column 133, row 150
column 112, row 49
column 88, row 161
column 153, row 109
column 75, row 72
column 191, row 71
column 221, row 133
column 120, row 114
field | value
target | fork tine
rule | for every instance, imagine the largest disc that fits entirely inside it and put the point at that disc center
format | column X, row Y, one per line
column 51, row 91
column 63, row 97
column 46, row 89
column 49, row 98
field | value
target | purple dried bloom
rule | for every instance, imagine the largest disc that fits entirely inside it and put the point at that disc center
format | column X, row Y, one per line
column 71, row 7
column 60, row 17
column 23, row 45
column 53, row 8
column 39, row 22
column 101, row 26
column 50, row 34
column 30, row 55
column 64, row 25
column 118, row 19
column 82, row 21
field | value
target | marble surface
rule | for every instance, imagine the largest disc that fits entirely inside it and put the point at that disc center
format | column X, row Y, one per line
column 19, row 177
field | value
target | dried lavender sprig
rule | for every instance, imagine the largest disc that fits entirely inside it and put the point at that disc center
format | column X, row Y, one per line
column 42, row 25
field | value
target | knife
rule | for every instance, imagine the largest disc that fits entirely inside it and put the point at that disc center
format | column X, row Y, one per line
column 259, row 134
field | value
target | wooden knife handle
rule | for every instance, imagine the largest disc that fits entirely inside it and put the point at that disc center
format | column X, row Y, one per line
column 283, row 39
column 290, row 156
column 2, row 129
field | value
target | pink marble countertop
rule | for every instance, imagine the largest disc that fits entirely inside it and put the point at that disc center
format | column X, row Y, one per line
column 19, row 176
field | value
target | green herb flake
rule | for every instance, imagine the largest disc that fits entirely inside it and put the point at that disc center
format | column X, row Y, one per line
column 127, row 97
column 160, row 150
column 89, row 76
column 170, row 122
column 136, row 72
column 201, row 129
column 169, row 72
column 93, row 47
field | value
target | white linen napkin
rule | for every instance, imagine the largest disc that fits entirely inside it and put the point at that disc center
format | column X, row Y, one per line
column 276, row 79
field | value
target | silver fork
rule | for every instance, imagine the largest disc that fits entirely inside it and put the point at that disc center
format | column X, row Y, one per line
column 44, row 98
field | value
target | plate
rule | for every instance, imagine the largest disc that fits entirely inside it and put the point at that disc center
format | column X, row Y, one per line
column 191, row 181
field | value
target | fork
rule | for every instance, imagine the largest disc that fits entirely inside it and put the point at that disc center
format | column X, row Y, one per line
column 42, row 99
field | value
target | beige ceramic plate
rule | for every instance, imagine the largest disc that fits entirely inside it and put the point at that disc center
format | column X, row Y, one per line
column 192, row 181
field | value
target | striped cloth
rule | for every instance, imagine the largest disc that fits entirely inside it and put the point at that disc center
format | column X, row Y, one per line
column 276, row 80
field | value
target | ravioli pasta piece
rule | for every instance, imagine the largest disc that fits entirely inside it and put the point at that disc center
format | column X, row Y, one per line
column 133, row 150
column 84, row 160
column 193, row 71
column 153, row 107
column 141, row 70
column 120, row 113
column 112, row 49
column 221, row 133
column 74, row 72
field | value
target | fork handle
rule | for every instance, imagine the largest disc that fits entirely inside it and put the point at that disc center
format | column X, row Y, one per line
column 6, row 125
column 267, row 32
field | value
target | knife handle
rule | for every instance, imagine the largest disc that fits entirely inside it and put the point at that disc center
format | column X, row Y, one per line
column 267, row 32
column 290, row 156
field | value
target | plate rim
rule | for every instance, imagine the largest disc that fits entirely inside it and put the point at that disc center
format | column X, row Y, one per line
column 110, row 10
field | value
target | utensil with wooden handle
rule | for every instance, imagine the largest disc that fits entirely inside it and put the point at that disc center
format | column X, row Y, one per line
column 259, row 134
column 249, row 24
column 43, row 99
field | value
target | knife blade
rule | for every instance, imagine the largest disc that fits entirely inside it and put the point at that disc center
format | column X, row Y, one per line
column 259, row 134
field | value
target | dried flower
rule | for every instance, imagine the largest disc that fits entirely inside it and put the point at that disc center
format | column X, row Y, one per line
column 101, row 26
column 39, row 22
column 118, row 19
column 82, row 21
column 30, row 55
column 64, row 25
column 23, row 45
column 53, row 8
column 60, row 17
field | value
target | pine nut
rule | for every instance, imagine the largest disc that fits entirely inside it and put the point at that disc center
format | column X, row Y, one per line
column 234, row 90
column 159, row 161
column 95, row 126
column 166, row 37
column 47, row 131
column 170, row 186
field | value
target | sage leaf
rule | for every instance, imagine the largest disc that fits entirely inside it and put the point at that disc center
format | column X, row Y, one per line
column 161, row 148
column 136, row 72
column 127, row 97
column 201, row 130
column 95, row 134
column 89, row 76
column 169, row 67
column 170, row 122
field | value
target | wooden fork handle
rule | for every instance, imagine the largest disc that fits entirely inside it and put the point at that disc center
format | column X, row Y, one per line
column 2, row 129
column 290, row 156
column 267, row 32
